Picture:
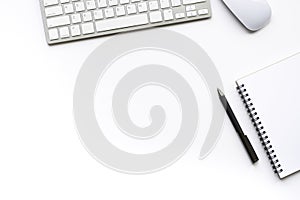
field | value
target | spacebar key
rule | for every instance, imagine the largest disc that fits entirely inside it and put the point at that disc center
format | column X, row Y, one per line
column 121, row 22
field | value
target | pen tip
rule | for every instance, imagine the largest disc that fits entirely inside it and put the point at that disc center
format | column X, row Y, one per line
column 220, row 92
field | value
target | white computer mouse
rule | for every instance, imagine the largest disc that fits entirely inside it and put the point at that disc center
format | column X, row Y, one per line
column 253, row 14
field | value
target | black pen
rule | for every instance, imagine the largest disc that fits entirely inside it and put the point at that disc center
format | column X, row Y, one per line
column 238, row 128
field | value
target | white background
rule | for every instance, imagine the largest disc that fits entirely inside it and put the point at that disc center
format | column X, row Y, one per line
column 42, row 157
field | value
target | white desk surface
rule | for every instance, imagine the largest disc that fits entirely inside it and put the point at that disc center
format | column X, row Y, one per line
column 41, row 154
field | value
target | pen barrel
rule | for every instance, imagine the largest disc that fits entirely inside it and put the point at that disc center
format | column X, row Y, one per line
column 232, row 117
column 249, row 149
column 239, row 131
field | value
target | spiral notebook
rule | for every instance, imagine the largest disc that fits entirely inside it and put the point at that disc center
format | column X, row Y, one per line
column 272, row 100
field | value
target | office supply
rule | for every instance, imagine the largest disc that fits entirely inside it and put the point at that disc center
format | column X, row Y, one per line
column 237, row 127
column 69, row 20
column 253, row 14
column 272, row 100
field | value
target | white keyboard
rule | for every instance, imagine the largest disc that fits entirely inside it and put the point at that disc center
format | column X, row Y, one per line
column 69, row 20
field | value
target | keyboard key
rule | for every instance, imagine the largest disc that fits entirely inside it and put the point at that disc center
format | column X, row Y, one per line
column 75, row 30
column 87, row 28
column 87, row 16
column 203, row 12
column 53, row 11
column 109, row 12
column 58, row 21
column 153, row 5
column 168, row 14
column 112, row 2
column 192, row 1
column 131, row 9
column 53, row 34
column 122, row 22
column 98, row 14
column 120, row 11
column 64, row 32
column 90, row 5
column 68, row 8
column 175, row 3
column 190, row 7
column 102, row 3
column 50, row 2
column 191, row 13
column 164, row 3
column 76, row 18
column 124, row 1
column 79, row 6
column 142, row 7
column 155, row 16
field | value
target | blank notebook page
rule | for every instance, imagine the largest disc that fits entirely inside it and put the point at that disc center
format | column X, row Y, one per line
column 275, row 94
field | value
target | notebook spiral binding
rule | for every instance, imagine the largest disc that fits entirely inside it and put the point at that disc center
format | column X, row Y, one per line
column 263, row 136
